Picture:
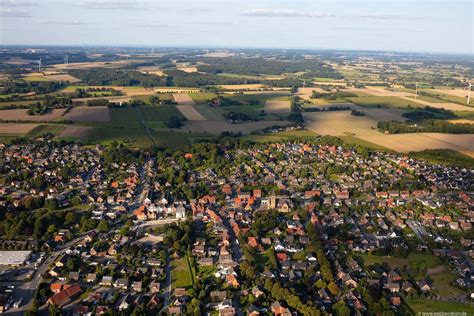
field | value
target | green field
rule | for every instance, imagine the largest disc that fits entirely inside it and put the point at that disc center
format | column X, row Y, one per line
column 45, row 129
column 416, row 261
column 35, row 78
column 210, row 113
column 419, row 306
column 182, row 274
column 387, row 102
column 107, row 135
column 352, row 140
column 201, row 97
column 159, row 112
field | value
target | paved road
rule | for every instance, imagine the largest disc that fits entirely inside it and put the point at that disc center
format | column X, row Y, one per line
column 26, row 290
column 167, row 293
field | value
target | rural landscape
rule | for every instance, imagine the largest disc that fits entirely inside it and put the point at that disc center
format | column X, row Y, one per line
column 231, row 158
column 171, row 98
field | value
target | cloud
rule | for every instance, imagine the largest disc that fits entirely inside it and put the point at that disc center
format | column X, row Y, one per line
column 113, row 5
column 212, row 23
column 286, row 13
column 14, row 13
column 317, row 14
column 55, row 22
column 17, row 3
column 382, row 17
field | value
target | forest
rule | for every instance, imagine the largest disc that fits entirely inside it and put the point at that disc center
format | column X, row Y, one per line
column 112, row 77
column 426, row 126
column 258, row 66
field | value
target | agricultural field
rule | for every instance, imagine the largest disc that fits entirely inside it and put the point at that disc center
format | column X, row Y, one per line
column 190, row 113
column 16, row 128
column 22, row 115
column 62, row 77
column 183, row 99
column 159, row 112
column 43, row 129
column 88, row 114
column 202, row 97
column 431, row 306
column 420, row 141
column 217, row 127
column 74, row 132
column 277, row 107
column 107, row 135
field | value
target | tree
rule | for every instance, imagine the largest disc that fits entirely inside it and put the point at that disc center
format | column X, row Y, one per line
column 341, row 309
column 103, row 226
column 174, row 122
column 332, row 287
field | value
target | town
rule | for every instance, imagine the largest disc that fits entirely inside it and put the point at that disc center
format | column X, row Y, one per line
column 308, row 227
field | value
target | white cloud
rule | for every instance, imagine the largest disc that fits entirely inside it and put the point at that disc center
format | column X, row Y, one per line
column 17, row 3
column 113, row 5
column 286, row 13
column 14, row 13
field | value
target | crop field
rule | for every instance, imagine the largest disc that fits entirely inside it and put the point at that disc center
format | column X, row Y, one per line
column 16, row 128
column 340, row 123
column 88, row 114
column 183, row 99
column 430, row 306
column 62, row 77
column 390, row 102
column 277, row 107
column 217, row 127
column 253, row 86
column 45, row 129
column 202, row 97
column 463, row 143
column 107, row 135
column 75, row 131
column 22, row 115
column 160, row 112
column 190, row 113
column 210, row 113
column 35, row 78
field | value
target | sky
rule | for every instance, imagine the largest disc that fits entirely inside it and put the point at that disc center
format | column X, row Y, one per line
column 437, row 26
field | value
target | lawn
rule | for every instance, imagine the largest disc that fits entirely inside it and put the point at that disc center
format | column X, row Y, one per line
column 419, row 306
column 182, row 274
column 416, row 261
column 390, row 102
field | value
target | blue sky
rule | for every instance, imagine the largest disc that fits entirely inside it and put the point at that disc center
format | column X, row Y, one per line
column 396, row 25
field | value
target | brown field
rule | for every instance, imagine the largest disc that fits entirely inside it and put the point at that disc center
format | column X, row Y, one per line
column 462, row 93
column 22, row 115
column 88, row 114
column 62, row 77
column 382, row 92
column 152, row 70
column 188, row 69
column 75, row 131
column 276, row 107
column 16, row 128
column 94, row 64
column 175, row 90
column 116, row 99
column 253, row 86
column 340, row 123
column 217, row 127
column 330, row 83
column 416, row 142
column 134, row 91
column 190, row 113
column 305, row 93
column 183, row 99
column 219, row 54
column 461, row 121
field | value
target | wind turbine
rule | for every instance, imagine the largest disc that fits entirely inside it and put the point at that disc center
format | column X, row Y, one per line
column 469, row 94
column 66, row 61
column 39, row 65
column 304, row 86
column 416, row 90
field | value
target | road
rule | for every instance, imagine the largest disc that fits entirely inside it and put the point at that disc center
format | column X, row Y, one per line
column 167, row 293
column 26, row 290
